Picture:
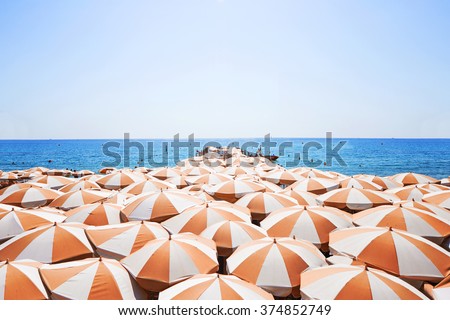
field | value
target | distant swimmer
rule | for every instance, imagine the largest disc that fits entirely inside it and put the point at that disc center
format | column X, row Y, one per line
column 49, row 161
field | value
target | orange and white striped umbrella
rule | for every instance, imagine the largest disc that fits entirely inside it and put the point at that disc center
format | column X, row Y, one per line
column 353, row 182
column 441, row 198
column 17, row 221
column 303, row 198
column 314, row 173
column 437, row 210
column 18, row 186
column 261, row 204
column 107, row 170
column 92, row 177
column 313, row 224
column 384, row 182
column 90, row 279
column 198, row 218
column 120, row 240
column 58, row 172
column 314, row 185
column 411, row 192
column 82, row 173
column 397, row 252
column 79, row 185
column 138, row 188
column 233, row 190
column 340, row 282
column 31, row 197
column 433, row 187
column 270, row 186
column 158, row 206
column 441, row 291
column 164, row 173
column 214, row 287
column 49, row 244
column 78, row 198
column 162, row 263
column 237, row 170
column 178, row 181
column 8, row 176
column 202, row 195
column 228, row 235
column 210, row 178
column 356, row 199
column 119, row 180
column 409, row 178
column 282, row 176
column 196, row 171
column 274, row 264
column 446, row 182
column 20, row 280
column 54, row 182
column 415, row 221
column 96, row 214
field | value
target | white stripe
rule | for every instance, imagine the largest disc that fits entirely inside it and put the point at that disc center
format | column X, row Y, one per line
column 181, row 287
column 273, row 275
column 212, row 292
column 124, row 282
column 41, row 248
column 181, row 264
column 122, row 244
column 328, row 287
column 79, row 286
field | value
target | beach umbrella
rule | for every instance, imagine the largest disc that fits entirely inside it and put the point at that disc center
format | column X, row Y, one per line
column 415, row 221
column 441, row 198
column 20, row 280
column 437, row 210
column 92, row 177
column 282, row 176
column 303, row 198
column 49, row 244
column 120, row 240
column 138, row 188
column 78, row 198
column 165, row 173
column 409, row 178
column 384, row 182
column 38, row 169
column 441, row 291
column 90, row 279
column 352, row 182
column 312, row 223
column 356, row 199
column 178, row 181
column 314, row 185
column 107, row 170
column 270, row 186
column 119, row 180
column 338, row 259
column 411, row 192
column 18, row 186
column 158, row 206
column 31, row 197
column 8, row 176
column 209, row 178
column 341, row 282
column 433, row 187
column 214, row 287
column 58, row 172
column 314, row 173
column 143, row 170
column 261, row 204
column 397, row 252
column 15, row 222
column 233, row 190
column 54, row 182
column 198, row 218
column 79, row 185
column 95, row 214
column 237, row 170
column 446, row 181
column 162, row 263
column 82, row 173
column 228, row 235
column 196, row 171
column 275, row 264
column 202, row 195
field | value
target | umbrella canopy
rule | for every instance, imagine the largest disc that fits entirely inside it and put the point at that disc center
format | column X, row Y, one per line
column 178, row 181
column 209, row 178
column 384, row 182
column 196, row 171
column 17, row 221
column 353, row 182
column 445, row 181
column 82, row 173
column 18, row 186
column 415, row 221
column 165, row 173
column 107, row 170
column 270, row 186
column 119, row 180
column 340, row 282
column 261, row 204
column 158, row 206
column 432, row 187
column 138, row 188
column 54, row 182
column 90, row 279
column 409, row 178
column 214, row 287
column 274, row 264
column 303, row 198
column 437, row 210
column 314, row 185
column 31, row 197
column 441, row 291
column 228, row 235
column 120, row 240
column 309, row 223
column 397, row 252
column 356, row 199
column 162, row 263
column 282, row 176
column 49, row 244
column 8, row 176
column 20, row 280
column 58, row 172
column 79, row 185
column 96, row 214
column 233, row 190
column 78, row 198
column 198, row 218
column 314, row 173
column 411, row 192
column 441, row 198
column 237, row 170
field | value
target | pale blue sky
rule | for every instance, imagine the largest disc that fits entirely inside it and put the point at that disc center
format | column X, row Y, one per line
column 230, row 68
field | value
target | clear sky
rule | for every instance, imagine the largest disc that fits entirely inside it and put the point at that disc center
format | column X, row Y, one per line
column 227, row 68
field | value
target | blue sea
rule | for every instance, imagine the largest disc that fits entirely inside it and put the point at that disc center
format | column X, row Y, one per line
column 371, row 156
